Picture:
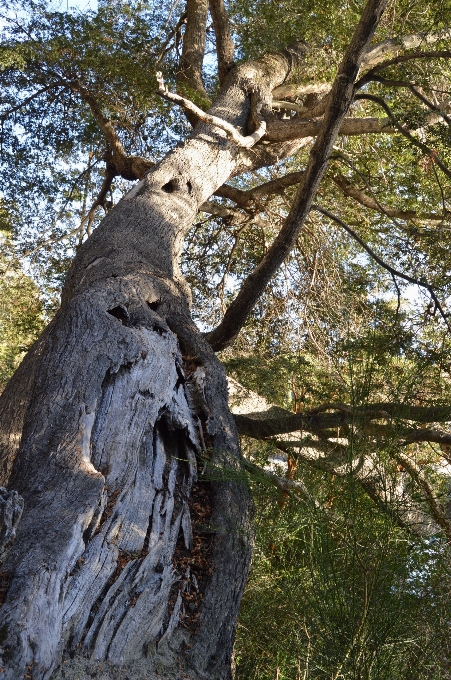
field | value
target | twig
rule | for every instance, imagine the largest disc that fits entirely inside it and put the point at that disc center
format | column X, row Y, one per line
column 408, row 135
column 380, row 261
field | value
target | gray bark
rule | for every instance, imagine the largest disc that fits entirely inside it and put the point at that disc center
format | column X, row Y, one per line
column 128, row 559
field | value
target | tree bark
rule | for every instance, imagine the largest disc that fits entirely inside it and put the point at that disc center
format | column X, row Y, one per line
column 134, row 543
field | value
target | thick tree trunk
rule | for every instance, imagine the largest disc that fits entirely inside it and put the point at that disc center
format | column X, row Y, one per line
column 123, row 550
column 129, row 556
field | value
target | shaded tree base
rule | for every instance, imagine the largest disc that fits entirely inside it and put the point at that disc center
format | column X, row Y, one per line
column 157, row 668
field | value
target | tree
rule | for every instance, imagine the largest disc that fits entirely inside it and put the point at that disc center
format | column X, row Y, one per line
column 123, row 555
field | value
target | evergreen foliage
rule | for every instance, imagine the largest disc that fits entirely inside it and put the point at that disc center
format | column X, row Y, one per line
column 338, row 588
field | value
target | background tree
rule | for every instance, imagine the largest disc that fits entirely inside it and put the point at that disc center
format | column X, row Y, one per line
column 120, row 408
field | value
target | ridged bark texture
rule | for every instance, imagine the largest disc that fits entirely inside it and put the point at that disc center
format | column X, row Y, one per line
column 131, row 555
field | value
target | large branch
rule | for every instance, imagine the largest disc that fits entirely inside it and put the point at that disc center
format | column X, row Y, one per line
column 224, row 43
column 261, row 425
column 401, row 59
column 128, row 167
column 386, row 53
column 193, row 50
column 281, row 130
column 388, row 48
column 270, row 418
column 243, row 198
column 284, row 130
column 295, row 89
column 342, row 95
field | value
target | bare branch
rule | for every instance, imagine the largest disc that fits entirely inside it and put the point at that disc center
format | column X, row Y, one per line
column 430, row 435
column 228, row 128
column 224, row 43
column 284, row 130
column 341, row 97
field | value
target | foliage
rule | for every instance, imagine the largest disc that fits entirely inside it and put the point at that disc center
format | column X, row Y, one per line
column 340, row 592
column 338, row 589
column 21, row 310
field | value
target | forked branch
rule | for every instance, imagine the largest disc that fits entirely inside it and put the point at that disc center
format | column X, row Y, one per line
column 341, row 97
column 228, row 128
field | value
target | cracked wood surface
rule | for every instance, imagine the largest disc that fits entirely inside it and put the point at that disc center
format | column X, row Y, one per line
column 110, row 431
column 113, row 432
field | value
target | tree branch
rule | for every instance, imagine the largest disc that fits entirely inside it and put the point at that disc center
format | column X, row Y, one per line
column 295, row 90
column 342, row 95
column 128, row 167
column 351, row 191
column 408, row 135
column 258, row 424
column 224, row 44
column 410, row 86
column 193, row 50
column 400, row 59
column 376, row 59
column 281, row 131
column 175, row 33
column 261, row 426
column 379, row 53
column 228, row 128
column 289, row 486
column 27, row 100
column 368, row 485
column 436, row 509
column 380, row 261
column 243, row 198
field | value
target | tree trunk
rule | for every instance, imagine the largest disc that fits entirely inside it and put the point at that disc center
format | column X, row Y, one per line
column 130, row 556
